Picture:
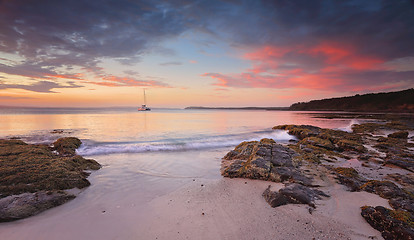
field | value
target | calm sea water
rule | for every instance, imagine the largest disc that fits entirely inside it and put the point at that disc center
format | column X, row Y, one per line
column 125, row 130
column 144, row 155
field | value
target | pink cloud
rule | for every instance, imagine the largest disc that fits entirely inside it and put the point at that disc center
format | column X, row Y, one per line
column 323, row 66
column 114, row 81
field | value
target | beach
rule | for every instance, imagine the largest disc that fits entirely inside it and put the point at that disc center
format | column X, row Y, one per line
column 201, row 209
column 164, row 181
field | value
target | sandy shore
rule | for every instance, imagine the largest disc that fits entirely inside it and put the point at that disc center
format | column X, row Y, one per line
column 201, row 209
column 235, row 209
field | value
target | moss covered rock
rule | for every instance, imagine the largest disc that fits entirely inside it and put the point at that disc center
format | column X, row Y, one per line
column 393, row 224
column 265, row 160
column 31, row 168
column 67, row 146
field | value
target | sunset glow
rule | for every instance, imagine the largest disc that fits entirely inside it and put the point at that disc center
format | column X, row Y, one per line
column 208, row 53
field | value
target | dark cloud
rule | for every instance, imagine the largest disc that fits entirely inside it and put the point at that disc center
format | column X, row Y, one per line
column 79, row 32
column 131, row 72
column 41, row 86
column 33, row 70
column 51, row 35
column 375, row 27
column 171, row 64
column 55, row 36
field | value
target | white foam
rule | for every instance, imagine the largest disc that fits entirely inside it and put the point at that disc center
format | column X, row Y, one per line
column 91, row 148
column 348, row 128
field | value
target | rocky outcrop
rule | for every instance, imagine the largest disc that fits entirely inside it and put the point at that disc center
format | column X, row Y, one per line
column 397, row 150
column 350, row 178
column 265, row 160
column 28, row 171
column 293, row 193
column 349, row 157
column 393, row 224
column 67, row 146
column 399, row 134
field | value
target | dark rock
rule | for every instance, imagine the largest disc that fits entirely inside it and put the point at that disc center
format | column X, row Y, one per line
column 350, row 178
column 293, row 193
column 350, row 145
column 402, row 203
column 392, row 224
column 402, row 162
column 290, row 174
column 406, row 180
column 28, row 204
column 385, row 189
column 281, row 156
column 399, row 134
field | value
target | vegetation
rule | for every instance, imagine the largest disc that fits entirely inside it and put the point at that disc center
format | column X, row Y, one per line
column 402, row 101
column 31, row 168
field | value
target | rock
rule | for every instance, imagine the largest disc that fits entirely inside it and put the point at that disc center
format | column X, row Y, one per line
column 349, row 145
column 385, row 189
column 350, row 178
column 300, row 131
column 31, row 168
column 281, row 156
column 293, row 193
column 377, row 127
column 397, row 152
column 398, row 198
column 402, row 162
column 392, row 224
column 367, row 127
column 28, row 204
column 406, row 180
column 67, row 146
column 318, row 142
column 399, row 134
column 265, row 160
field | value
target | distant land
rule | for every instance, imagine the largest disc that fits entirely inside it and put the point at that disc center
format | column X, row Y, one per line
column 239, row 108
column 401, row 101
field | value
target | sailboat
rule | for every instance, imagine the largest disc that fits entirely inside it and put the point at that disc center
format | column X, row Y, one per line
column 144, row 106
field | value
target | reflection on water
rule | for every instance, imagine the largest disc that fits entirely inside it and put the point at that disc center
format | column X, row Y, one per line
column 154, row 125
column 109, row 132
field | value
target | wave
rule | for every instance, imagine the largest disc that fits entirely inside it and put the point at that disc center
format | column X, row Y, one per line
column 89, row 148
column 348, row 128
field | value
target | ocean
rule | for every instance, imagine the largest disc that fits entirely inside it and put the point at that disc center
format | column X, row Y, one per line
column 144, row 155
column 125, row 130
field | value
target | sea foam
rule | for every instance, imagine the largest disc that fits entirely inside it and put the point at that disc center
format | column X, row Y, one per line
column 89, row 148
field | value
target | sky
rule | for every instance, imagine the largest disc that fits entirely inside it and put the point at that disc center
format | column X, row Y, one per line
column 82, row 53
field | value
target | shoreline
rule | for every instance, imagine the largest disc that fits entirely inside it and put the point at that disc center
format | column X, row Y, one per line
column 182, row 204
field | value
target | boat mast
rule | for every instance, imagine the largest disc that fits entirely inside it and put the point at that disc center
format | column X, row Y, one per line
column 145, row 98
